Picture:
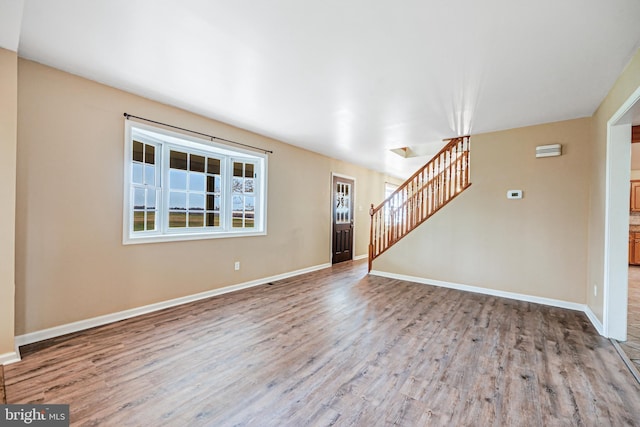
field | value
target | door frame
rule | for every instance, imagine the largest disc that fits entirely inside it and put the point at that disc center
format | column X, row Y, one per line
column 616, row 220
column 355, row 210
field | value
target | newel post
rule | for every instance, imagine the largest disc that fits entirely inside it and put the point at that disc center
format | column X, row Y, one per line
column 371, row 237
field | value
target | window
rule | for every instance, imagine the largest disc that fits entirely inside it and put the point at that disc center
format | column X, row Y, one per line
column 180, row 188
column 389, row 188
column 394, row 204
column 343, row 203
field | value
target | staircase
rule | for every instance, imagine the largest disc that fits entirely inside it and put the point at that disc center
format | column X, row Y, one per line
column 434, row 185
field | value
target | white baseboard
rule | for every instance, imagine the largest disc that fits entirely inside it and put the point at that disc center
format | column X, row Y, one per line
column 359, row 257
column 7, row 358
column 68, row 328
column 594, row 320
column 493, row 292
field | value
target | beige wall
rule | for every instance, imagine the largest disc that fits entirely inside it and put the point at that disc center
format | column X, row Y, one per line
column 626, row 84
column 534, row 246
column 8, row 135
column 71, row 264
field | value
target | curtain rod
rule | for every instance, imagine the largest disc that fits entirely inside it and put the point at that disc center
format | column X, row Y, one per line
column 129, row 116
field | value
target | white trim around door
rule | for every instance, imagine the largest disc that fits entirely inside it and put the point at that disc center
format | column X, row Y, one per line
column 616, row 227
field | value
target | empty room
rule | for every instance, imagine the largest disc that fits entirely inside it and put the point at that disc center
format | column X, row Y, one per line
column 298, row 213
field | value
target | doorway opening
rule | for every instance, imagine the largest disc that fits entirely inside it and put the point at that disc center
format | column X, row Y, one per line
column 616, row 232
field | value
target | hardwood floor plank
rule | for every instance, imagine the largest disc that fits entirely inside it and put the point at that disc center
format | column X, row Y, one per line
column 335, row 347
column 631, row 347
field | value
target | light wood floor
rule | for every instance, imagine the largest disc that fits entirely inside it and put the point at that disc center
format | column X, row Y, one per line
column 336, row 347
column 3, row 399
column 632, row 346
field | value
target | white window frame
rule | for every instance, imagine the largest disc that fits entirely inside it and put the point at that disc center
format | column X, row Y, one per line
column 165, row 140
column 389, row 188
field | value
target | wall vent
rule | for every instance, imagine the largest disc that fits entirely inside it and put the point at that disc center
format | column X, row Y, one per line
column 548, row 150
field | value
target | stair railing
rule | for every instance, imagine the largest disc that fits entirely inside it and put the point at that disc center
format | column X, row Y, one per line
column 435, row 184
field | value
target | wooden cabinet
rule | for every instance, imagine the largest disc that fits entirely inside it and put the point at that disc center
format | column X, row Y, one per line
column 634, row 248
column 635, row 196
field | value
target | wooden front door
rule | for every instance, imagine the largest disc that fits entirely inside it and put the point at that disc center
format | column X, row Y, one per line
column 343, row 190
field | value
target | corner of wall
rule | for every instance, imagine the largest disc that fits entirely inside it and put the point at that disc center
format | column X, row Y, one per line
column 8, row 146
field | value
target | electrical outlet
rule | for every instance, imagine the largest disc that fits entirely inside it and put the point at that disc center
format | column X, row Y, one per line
column 595, row 290
column 236, row 266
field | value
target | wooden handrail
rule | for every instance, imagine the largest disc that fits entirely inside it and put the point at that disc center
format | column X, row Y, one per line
column 425, row 192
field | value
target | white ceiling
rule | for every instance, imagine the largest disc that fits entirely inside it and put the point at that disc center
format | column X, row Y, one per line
column 349, row 79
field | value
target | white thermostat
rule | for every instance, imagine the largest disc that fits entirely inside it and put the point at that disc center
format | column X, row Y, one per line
column 514, row 194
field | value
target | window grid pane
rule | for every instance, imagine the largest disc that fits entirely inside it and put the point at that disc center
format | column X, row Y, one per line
column 143, row 187
column 177, row 186
column 343, row 203
column 198, row 177
column 213, row 194
column 243, row 200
